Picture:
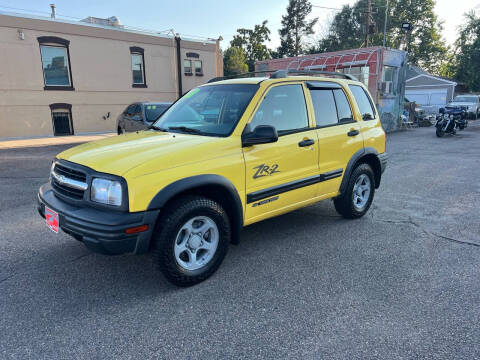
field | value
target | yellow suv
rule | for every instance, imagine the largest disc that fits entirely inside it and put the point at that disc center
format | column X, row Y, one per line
column 227, row 154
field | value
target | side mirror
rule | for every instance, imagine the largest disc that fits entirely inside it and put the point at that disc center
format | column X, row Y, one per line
column 262, row 134
column 367, row 116
column 441, row 110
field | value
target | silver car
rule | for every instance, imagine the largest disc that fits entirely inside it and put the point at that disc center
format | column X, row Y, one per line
column 139, row 116
column 470, row 103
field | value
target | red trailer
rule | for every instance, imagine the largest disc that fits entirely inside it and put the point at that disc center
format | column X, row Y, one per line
column 382, row 69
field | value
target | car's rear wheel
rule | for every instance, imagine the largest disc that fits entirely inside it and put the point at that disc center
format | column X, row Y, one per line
column 191, row 240
column 358, row 195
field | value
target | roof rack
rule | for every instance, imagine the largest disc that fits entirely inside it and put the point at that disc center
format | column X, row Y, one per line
column 241, row 75
column 284, row 73
column 278, row 74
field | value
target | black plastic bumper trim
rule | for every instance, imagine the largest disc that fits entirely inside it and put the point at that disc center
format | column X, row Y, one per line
column 101, row 230
column 383, row 161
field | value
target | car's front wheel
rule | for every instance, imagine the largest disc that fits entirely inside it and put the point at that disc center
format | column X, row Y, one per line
column 358, row 195
column 119, row 131
column 191, row 240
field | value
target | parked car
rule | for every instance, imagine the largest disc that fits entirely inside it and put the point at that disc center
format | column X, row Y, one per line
column 469, row 103
column 139, row 116
column 226, row 155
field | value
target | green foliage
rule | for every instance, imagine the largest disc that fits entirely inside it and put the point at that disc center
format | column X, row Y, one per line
column 465, row 62
column 295, row 27
column 424, row 43
column 252, row 41
column 234, row 61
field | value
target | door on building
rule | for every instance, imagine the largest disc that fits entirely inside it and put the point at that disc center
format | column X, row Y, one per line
column 284, row 173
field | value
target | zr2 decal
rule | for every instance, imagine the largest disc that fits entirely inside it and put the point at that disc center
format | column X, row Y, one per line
column 265, row 170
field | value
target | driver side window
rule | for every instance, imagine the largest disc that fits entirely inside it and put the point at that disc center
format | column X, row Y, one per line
column 283, row 108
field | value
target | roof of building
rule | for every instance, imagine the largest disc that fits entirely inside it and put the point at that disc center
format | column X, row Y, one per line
column 414, row 72
column 99, row 24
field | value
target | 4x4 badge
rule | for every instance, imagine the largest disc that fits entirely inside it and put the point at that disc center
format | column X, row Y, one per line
column 265, row 170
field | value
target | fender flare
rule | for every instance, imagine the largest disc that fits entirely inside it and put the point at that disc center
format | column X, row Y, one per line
column 192, row 182
column 351, row 165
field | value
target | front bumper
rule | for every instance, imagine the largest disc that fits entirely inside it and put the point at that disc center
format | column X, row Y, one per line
column 101, row 231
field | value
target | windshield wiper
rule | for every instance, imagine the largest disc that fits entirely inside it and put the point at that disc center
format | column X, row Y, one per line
column 186, row 130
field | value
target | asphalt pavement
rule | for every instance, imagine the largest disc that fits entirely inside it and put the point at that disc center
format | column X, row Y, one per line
column 403, row 282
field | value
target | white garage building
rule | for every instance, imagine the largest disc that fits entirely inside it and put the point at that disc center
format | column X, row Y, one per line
column 428, row 91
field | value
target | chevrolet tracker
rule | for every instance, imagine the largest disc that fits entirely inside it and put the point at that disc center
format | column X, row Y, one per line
column 227, row 154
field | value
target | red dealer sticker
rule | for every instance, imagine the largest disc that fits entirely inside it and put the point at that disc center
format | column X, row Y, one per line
column 51, row 217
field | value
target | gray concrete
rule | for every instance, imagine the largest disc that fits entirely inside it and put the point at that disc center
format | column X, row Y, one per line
column 403, row 282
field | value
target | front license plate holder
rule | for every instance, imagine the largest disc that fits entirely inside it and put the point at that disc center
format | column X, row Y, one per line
column 52, row 219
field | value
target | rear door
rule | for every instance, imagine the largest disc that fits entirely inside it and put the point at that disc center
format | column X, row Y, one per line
column 339, row 133
column 372, row 130
column 283, row 174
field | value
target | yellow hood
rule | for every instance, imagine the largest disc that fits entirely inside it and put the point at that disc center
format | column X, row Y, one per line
column 152, row 150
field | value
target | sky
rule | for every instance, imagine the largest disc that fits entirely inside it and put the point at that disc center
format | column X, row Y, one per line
column 212, row 18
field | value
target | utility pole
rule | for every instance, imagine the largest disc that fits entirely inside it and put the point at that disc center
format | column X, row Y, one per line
column 369, row 12
column 385, row 26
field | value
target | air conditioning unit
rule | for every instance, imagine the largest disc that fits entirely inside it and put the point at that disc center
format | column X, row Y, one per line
column 387, row 87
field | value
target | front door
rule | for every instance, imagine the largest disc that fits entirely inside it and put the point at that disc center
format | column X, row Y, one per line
column 339, row 134
column 283, row 174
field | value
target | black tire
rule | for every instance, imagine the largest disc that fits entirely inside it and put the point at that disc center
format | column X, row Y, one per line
column 344, row 204
column 119, row 131
column 165, row 234
column 440, row 133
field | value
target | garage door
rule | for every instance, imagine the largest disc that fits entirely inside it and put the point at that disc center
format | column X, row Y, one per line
column 429, row 100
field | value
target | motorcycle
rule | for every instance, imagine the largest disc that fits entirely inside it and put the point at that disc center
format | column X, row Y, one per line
column 450, row 120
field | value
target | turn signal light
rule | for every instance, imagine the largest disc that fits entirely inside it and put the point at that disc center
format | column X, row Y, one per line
column 136, row 229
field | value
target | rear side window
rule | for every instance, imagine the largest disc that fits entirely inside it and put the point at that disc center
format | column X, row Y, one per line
column 363, row 101
column 324, row 106
column 331, row 107
column 343, row 106
column 283, row 108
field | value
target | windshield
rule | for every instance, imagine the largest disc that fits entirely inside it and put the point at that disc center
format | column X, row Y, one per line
column 153, row 111
column 208, row 110
column 467, row 99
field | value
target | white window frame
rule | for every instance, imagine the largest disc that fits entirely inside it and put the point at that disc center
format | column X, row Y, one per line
column 68, row 65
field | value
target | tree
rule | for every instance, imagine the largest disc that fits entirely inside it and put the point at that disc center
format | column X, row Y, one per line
column 465, row 61
column 295, row 27
column 234, row 61
column 252, row 41
column 424, row 43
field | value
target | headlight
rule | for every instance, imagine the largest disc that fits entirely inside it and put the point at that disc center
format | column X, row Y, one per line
column 106, row 192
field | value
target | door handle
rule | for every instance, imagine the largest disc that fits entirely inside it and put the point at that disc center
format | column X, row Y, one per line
column 353, row 132
column 306, row 142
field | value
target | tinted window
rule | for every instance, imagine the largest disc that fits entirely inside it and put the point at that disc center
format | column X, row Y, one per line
column 283, row 108
column 131, row 109
column 153, row 111
column 138, row 110
column 208, row 110
column 343, row 107
column 55, row 65
column 324, row 106
column 363, row 102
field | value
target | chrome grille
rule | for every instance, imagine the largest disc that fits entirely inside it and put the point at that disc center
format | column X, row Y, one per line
column 69, row 182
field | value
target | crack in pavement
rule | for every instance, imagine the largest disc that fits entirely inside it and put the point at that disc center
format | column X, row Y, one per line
column 425, row 230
